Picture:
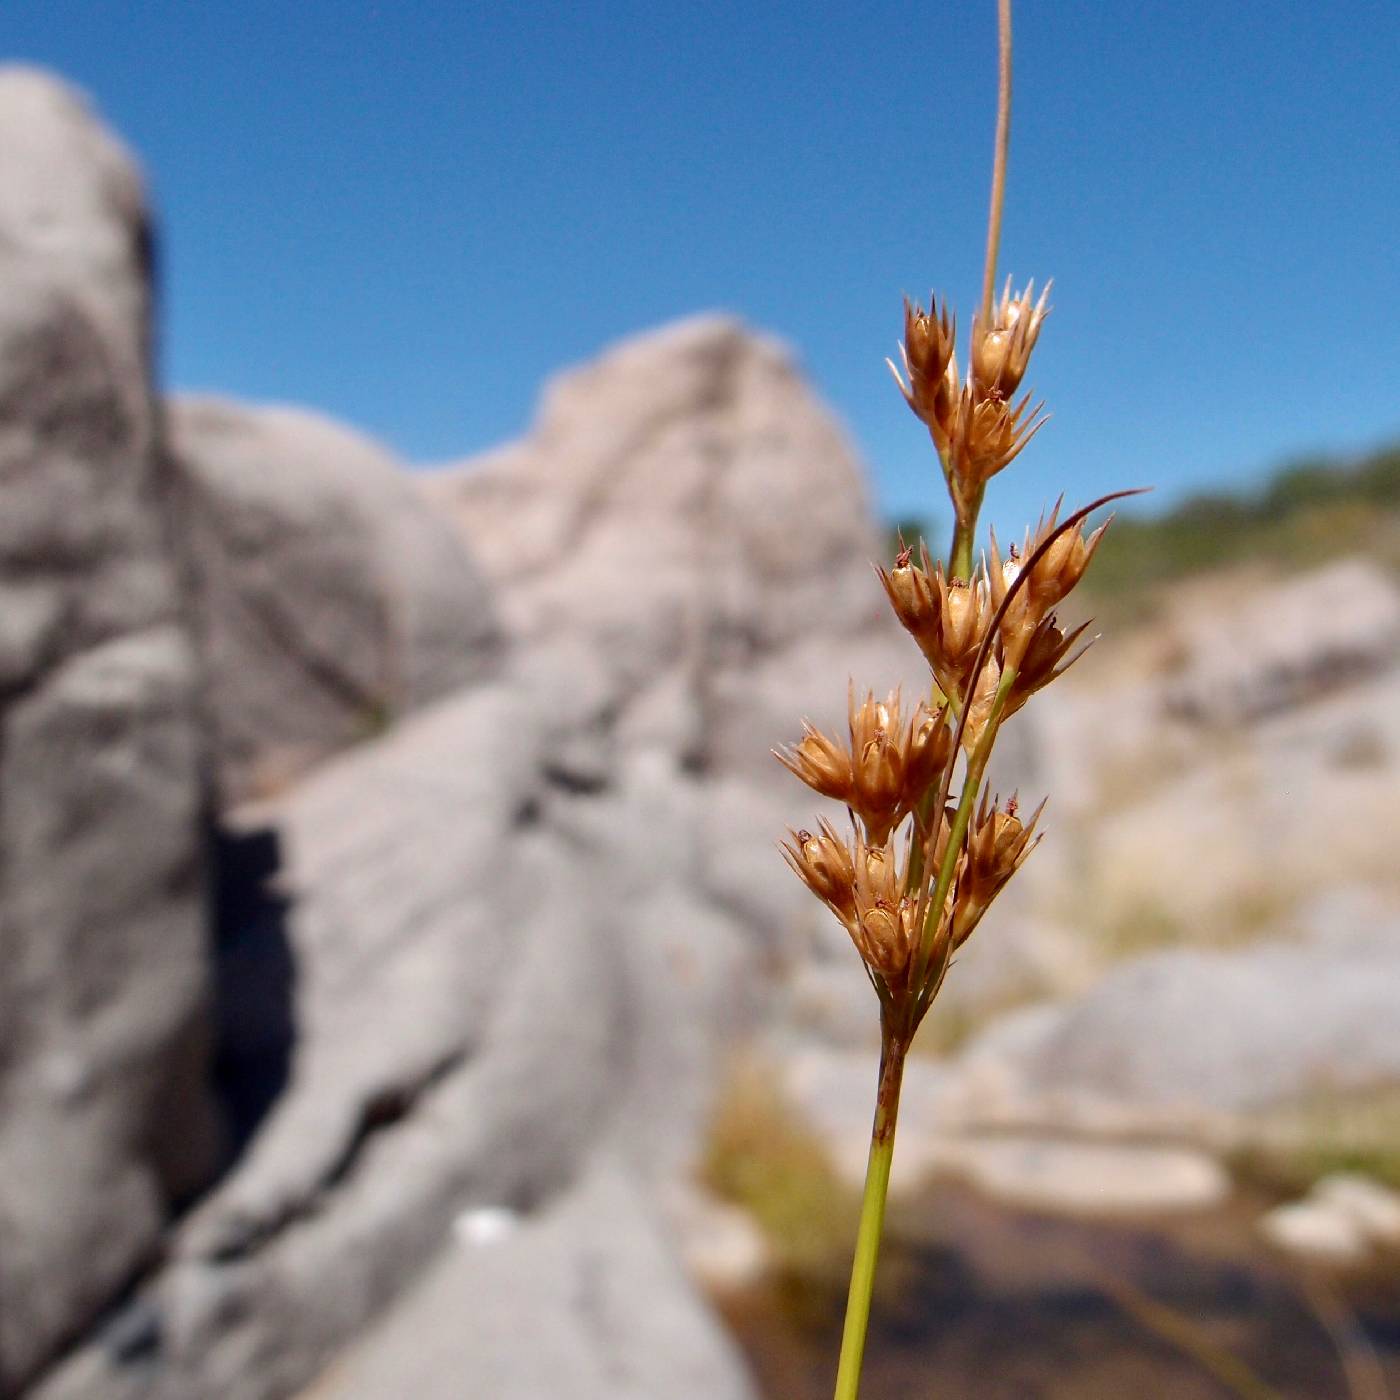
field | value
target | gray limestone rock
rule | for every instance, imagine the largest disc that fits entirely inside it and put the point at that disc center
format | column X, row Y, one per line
column 1226, row 1032
column 622, row 1320
column 327, row 598
column 687, row 504
column 104, row 1114
column 500, row 980
column 1235, row 664
column 526, row 922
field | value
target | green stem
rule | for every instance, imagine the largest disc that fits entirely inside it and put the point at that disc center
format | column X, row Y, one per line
column 893, row 1047
column 972, row 781
column 964, row 536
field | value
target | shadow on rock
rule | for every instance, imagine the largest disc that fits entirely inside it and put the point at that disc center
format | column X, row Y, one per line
column 256, row 980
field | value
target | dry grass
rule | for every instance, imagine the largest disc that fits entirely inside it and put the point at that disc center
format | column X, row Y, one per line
column 1286, row 1151
column 762, row 1157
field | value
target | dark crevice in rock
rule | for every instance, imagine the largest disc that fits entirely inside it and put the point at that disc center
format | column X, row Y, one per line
column 697, row 761
column 388, row 1107
column 575, row 779
column 133, row 1332
column 255, row 980
column 243, row 1236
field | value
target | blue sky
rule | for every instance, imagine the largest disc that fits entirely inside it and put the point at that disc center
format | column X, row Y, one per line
column 406, row 214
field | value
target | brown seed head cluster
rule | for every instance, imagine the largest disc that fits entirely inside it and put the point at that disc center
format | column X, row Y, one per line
column 885, row 769
column 997, row 847
column 947, row 617
column 975, row 426
column 919, row 870
column 866, row 889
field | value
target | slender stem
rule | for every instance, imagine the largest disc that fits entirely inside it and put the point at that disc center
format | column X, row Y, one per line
column 972, row 781
column 964, row 536
column 893, row 1047
column 989, row 273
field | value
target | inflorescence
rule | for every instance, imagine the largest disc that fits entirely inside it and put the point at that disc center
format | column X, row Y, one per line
column 917, row 872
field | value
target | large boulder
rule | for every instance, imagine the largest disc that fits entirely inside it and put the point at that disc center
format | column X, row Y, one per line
column 515, row 933
column 688, row 508
column 104, row 1115
column 524, row 924
column 511, row 994
column 1193, row 1035
column 327, row 598
column 622, row 1322
column 688, row 505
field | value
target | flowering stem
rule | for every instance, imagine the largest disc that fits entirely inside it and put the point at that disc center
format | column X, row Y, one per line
column 893, row 1047
column 965, row 525
column 964, row 535
column 972, row 780
column 989, row 272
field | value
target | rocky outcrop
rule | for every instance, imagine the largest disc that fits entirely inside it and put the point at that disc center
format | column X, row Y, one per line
column 1284, row 644
column 687, row 507
column 487, row 959
column 621, row 1320
column 688, row 512
column 524, row 924
column 104, row 1115
column 326, row 597
column 1194, row 1033
column 483, row 1024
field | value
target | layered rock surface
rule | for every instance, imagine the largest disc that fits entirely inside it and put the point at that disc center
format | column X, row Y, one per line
column 105, row 1115
column 481, row 1026
column 503, row 965
column 685, row 508
column 1225, row 1031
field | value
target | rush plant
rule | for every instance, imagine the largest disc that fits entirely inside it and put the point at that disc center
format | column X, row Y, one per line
column 929, row 849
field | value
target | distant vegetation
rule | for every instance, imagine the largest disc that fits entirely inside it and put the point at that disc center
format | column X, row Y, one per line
column 1317, row 509
column 1312, row 511
column 909, row 530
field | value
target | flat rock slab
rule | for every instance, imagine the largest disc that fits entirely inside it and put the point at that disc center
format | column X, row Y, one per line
column 549, row 1308
column 939, row 1134
column 1090, row 1178
column 1343, row 1220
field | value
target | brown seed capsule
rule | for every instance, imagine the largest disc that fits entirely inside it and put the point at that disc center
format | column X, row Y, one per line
column 927, row 353
column 1019, row 621
column 824, row 865
column 987, row 434
column 927, row 749
column 1001, row 349
column 1063, row 564
column 997, row 846
column 946, row 617
column 1044, row 660
column 820, row 762
column 965, row 617
column 981, row 703
column 877, row 764
column 1050, row 580
column 913, row 597
column 883, row 926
